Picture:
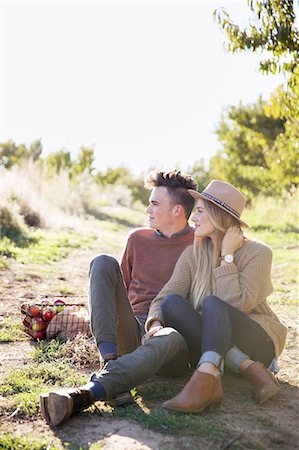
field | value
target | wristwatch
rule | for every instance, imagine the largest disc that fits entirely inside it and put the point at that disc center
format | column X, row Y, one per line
column 227, row 258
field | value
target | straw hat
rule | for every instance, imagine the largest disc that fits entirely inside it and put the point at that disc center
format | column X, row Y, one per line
column 224, row 195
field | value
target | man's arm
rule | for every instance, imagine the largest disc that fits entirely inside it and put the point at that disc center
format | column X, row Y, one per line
column 127, row 263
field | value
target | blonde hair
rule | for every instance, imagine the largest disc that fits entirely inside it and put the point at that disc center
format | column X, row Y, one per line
column 207, row 253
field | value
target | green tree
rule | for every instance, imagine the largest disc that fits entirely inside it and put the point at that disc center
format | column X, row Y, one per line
column 84, row 161
column 283, row 159
column 253, row 155
column 119, row 175
column 35, row 150
column 138, row 191
column 266, row 139
column 8, row 154
column 200, row 174
column 11, row 154
column 58, row 161
column 272, row 29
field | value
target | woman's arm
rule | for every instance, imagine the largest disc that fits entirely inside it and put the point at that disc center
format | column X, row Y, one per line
column 246, row 282
column 179, row 283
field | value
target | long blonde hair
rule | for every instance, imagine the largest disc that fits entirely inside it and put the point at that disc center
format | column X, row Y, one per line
column 207, row 253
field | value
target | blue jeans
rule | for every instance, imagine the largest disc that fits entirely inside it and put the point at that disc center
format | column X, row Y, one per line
column 219, row 328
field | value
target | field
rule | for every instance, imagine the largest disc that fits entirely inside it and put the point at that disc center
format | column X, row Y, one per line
column 57, row 263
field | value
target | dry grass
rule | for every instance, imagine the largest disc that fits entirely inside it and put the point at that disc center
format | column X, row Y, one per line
column 80, row 351
column 55, row 200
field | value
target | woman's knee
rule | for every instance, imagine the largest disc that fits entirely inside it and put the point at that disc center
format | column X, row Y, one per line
column 102, row 263
column 170, row 305
column 211, row 302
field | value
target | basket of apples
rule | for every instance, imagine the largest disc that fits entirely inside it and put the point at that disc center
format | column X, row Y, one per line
column 39, row 315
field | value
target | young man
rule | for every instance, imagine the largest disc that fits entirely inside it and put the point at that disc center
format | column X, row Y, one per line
column 120, row 296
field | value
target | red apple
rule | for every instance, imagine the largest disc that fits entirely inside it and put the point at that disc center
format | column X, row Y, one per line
column 45, row 302
column 27, row 322
column 25, row 308
column 37, row 324
column 28, row 331
column 48, row 313
column 59, row 305
column 41, row 334
column 34, row 310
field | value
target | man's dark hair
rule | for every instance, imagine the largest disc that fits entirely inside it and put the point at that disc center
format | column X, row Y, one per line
column 177, row 184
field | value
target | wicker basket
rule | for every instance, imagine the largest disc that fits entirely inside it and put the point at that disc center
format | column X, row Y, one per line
column 57, row 317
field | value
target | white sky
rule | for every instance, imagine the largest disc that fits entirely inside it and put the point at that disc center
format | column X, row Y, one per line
column 143, row 82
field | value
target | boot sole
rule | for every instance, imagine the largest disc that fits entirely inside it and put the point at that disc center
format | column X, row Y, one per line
column 43, row 402
column 195, row 411
column 59, row 415
column 45, row 406
column 267, row 395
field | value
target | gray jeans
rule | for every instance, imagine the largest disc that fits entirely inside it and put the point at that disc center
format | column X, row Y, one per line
column 112, row 317
column 165, row 353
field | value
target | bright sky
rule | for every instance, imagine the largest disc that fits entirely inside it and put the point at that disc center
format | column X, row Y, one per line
column 144, row 82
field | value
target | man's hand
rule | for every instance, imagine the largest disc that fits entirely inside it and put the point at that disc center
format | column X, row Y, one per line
column 155, row 327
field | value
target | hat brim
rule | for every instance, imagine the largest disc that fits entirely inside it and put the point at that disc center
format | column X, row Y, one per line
column 196, row 195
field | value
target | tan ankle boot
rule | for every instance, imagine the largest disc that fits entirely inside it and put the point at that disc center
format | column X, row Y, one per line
column 264, row 384
column 201, row 391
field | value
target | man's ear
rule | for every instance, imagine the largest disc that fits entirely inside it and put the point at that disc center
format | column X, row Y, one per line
column 178, row 210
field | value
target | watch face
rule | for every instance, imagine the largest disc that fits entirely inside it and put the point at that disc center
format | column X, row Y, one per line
column 228, row 258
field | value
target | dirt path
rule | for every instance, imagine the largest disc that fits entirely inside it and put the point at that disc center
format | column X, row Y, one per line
column 274, row 423
column 72, row 272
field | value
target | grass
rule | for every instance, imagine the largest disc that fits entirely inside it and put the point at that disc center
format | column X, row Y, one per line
column 273, row 214
column 152, row 391
column 66, row 290
column 285, row 264
column 43, row 246
column 10, row 442
column 23, row 386
column 46, row 351
column 11, row 330
column 273, row 223
column 52, row 246
column 170, row 422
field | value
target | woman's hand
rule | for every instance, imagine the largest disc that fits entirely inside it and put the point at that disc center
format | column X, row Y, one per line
column 232, row 241
column 155, row 327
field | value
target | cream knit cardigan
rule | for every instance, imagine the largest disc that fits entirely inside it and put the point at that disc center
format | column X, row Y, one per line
column 244, row 284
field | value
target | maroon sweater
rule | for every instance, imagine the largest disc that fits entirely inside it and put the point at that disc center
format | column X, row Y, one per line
column 147, row 264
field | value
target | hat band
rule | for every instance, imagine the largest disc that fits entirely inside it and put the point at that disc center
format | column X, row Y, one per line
column 223, row 204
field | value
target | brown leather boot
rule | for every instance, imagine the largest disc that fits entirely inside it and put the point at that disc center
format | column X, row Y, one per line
column 264, row 384
column 58, row 406
column 201, row 391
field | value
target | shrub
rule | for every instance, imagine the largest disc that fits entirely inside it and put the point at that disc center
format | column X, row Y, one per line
column 31, row 217
column 10, row 225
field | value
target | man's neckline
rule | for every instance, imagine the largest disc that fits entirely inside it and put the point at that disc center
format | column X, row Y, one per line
column 183, row 232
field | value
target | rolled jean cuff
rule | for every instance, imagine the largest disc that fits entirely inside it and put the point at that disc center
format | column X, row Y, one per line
column 213, row 358
column 234, row 358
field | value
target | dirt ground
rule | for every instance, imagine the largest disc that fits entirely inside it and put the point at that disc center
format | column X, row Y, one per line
column 274, row 425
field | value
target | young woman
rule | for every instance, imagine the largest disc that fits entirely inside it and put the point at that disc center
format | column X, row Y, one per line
column 212, row 312
column 216, row 299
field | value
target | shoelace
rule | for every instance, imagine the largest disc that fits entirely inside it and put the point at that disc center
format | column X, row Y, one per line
column 81, row 399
